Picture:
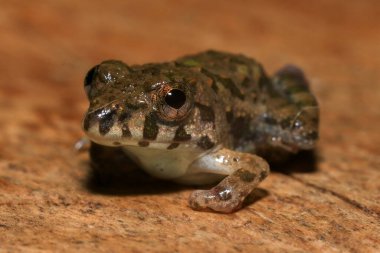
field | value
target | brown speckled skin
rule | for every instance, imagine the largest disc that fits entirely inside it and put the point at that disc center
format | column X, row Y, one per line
column 231, row 112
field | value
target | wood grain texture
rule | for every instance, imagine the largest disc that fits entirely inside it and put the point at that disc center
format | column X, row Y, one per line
column 48, row 202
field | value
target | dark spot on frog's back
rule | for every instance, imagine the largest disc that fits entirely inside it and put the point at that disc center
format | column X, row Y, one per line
column 226, row 82
column 229, row 84
column 229, row 116
column 205, row 142
column 247, row 82
column 210, row 75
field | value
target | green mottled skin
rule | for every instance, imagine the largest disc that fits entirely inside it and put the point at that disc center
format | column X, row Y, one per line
column 224, row 114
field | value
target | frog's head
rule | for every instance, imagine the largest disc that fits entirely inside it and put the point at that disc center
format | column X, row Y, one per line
column 150, row 105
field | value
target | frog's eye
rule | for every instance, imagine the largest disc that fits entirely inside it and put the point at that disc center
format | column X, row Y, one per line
column 175, row 103
column 88, row 80
column 175, row 98
column 103, row 75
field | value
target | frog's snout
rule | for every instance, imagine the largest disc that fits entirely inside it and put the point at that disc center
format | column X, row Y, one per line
column 99, row 121
column 109, row 124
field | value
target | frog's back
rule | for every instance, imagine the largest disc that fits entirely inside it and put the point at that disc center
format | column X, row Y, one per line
column 234, row 76
column 237, row 80
column 261, row 113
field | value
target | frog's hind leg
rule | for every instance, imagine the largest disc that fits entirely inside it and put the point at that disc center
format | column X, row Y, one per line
column 291, row 83
column 245, row 171
column 292, row 72
column 291, row 118
column 304, row 117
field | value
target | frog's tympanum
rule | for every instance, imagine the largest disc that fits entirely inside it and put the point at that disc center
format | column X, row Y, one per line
column 201, row 119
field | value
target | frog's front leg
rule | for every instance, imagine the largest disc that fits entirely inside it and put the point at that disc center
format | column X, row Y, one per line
column 245, row 171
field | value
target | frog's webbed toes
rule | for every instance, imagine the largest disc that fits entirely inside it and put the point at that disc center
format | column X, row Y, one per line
column 216, row 199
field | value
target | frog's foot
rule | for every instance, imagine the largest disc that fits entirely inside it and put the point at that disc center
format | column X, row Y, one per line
column 83, row 144
column 246, row 172
column 217, row 199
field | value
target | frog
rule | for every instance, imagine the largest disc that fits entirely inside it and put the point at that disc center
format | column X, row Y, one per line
column 211, row 118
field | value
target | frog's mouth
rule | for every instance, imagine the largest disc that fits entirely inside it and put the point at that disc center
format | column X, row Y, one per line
column 107, row 126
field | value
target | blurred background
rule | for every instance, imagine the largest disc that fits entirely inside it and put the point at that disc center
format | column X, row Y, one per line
column 51, row 44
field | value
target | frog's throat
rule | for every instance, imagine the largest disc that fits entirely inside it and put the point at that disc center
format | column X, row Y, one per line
column 164, row 137
column 166, row 164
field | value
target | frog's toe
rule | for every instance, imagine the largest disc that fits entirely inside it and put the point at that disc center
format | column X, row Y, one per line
column 217, row 200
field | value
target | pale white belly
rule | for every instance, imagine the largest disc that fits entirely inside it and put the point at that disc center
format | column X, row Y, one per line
column 163, row 163
column 176, row 164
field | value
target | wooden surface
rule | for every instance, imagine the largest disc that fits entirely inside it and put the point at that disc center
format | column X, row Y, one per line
column 48, row 201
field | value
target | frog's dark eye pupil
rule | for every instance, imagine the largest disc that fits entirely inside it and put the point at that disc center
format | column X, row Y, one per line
column 175, row 98
column 90, row 76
